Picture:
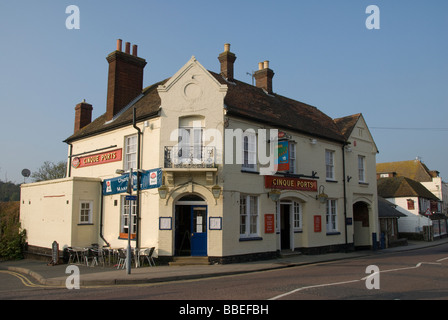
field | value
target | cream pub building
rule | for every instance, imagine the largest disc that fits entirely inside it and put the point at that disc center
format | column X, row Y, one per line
column 193, row 141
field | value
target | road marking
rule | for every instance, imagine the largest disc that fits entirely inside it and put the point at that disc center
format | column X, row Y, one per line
column 418, row 265
column 440, row 260
column 26, row 282
column 311, row 287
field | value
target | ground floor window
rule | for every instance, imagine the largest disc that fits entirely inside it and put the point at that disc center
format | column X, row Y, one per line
column 248, row 216
column 128, row 218
column 85, row 213
column 331, row 216
column 297, row 217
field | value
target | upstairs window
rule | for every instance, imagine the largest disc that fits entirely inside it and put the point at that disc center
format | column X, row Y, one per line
column 329, row 164
column 130, row 152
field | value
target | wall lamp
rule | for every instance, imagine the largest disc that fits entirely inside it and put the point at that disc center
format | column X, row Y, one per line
column 322, row 196
column 274, row 194
column 163, row 191
column 216, row 191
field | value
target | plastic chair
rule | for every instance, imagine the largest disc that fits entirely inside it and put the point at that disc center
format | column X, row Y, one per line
column 147, row 254
column 121, row 259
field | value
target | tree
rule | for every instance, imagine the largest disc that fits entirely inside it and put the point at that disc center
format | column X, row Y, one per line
column 50, row 171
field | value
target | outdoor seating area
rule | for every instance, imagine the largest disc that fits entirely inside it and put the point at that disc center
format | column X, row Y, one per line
column 110, row 257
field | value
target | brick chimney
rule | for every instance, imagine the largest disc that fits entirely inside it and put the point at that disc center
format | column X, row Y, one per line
column 263, row 76
column 227, row 59
column 125, row 80
column 83, row 115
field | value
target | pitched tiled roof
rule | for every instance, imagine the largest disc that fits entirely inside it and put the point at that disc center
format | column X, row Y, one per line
column 413, row 169
column 347, row 124
column 397, row 187
column 245, row 100
column 146, row 107
column 241, row 100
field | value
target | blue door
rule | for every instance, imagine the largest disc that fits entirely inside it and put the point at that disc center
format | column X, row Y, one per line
column 199, row 230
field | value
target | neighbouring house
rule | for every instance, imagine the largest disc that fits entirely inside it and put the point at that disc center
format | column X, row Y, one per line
column 418, row 171
column 417, row 203
column 220, row 169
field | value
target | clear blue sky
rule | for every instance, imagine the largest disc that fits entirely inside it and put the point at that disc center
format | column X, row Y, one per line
column 321, row 53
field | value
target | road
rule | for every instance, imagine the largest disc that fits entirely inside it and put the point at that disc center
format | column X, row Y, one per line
column 410, row 275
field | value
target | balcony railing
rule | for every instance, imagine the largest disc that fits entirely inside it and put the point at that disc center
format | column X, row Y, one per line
column 189, row 157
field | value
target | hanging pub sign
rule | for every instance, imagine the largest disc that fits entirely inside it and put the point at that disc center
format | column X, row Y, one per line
column 96, row 159
column 149, row 179
column 286, row 183
column 283, row 156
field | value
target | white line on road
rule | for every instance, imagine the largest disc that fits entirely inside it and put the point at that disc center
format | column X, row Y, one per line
column 418, row 265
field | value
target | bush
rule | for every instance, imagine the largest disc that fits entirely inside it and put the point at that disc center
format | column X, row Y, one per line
column 12, row 238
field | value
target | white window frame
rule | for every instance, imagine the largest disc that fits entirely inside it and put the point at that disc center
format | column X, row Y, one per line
column 85, row 211
column 191, row 139
column 249, row 216
column 130, row 152
column 249, row 150
column 332, row 215
column 292, row 157
column 329, row 164
column 362, row 168
column 126, row 207
column 296, row 208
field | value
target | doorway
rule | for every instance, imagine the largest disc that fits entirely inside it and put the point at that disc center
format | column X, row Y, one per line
column 190, row 236
column 285, row 226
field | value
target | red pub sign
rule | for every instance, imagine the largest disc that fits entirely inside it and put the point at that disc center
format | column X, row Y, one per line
column 99, row 158
column 285, row 183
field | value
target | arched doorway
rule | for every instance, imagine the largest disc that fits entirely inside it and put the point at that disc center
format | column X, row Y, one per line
column 361, row 222
column 190, row 236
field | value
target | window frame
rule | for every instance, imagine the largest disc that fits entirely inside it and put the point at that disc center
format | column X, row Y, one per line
column 89, row 213
column 249, row 216
column 362, row 169
column 329, row 165
column 331, row 216
column 249, row 156
column 130, row 142
column 126, row 206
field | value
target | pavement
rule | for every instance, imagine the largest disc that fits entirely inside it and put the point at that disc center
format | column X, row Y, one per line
column 99, row 276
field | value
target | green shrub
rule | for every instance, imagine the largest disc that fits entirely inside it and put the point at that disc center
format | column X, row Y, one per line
column 12, row 237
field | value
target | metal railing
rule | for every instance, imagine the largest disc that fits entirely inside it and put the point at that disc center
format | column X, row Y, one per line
column 189, row 157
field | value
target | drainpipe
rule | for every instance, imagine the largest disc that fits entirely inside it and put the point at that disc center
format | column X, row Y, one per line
column 345, row 193
column 139, row 133
column 69, row 164
column 101, row 215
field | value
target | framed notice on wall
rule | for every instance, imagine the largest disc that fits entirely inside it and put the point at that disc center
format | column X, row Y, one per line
column 165, row 223
column 215, row 223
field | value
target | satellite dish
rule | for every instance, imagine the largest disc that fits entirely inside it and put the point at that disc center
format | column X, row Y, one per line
column 26, row 173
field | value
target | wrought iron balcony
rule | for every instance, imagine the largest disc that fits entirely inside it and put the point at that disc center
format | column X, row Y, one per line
column 189, row 157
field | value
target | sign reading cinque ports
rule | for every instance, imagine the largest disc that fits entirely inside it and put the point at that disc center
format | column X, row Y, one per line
column 285, row 183
column 99, row 158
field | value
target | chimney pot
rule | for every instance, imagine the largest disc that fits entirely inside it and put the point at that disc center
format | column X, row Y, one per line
column 119, row 44
column 125, row 79
column 134, row 50
column 263, row 77
column 227, row 60
column 83, row 115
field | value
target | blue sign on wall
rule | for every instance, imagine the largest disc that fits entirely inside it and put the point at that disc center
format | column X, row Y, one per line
column 149, row 179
